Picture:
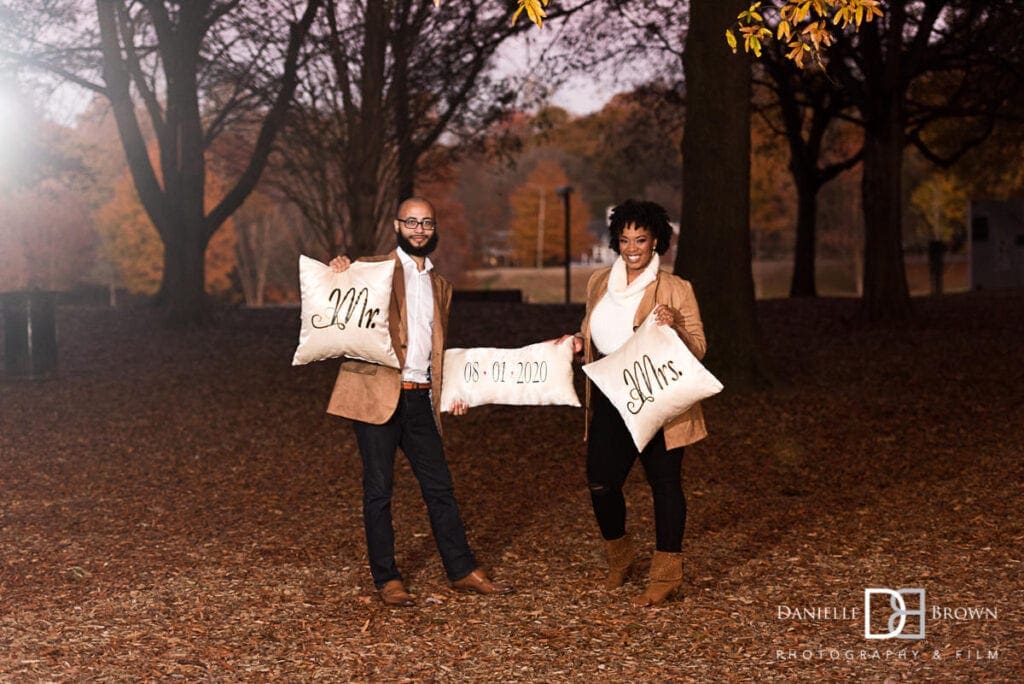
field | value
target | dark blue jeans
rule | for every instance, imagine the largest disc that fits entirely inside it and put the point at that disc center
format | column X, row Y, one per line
column 610, row 456
column 412, row 428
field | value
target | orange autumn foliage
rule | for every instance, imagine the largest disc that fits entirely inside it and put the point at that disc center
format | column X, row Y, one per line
column 534, row 206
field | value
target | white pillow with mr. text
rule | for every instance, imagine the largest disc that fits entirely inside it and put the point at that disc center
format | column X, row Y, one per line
column 345, row 314
column 651, row 379
column 535, row 375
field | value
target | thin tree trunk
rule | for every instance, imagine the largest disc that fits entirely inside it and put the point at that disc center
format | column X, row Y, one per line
column 803, row 283
column 714, row 248
column 113, row 288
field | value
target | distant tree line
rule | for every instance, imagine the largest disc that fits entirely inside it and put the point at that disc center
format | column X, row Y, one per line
column 341, row 108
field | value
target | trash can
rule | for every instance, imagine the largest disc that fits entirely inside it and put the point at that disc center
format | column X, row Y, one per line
column 30, row 333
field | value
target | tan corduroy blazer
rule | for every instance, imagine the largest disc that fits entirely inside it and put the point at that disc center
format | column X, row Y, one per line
column 369, row 392
column 669, row 289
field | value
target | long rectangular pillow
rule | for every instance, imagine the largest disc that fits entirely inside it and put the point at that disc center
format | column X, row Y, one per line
column 534, row 375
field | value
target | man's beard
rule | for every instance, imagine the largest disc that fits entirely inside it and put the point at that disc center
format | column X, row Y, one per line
column 412, row 250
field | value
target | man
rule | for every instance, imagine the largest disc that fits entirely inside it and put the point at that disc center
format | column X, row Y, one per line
column 401, row 408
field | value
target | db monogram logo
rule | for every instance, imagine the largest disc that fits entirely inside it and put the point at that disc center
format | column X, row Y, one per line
column 899, row 612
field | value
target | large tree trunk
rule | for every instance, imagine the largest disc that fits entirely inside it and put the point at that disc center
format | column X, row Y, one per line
column 363, row 233
column 407, row 153
column 366, row 124
column 714, row 248
column 886, row 296
column 886, row 66
column 184, row 172
column 803, row 282
column 184, row 176
column 184, row 296
column 185, row 299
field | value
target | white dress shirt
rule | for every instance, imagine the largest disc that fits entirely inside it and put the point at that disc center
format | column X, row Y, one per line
column 419, row 313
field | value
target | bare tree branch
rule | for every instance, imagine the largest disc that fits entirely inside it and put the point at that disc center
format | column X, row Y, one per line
column 264, row 141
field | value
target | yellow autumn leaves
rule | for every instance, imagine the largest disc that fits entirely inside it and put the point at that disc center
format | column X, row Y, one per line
column 534, row 10
column 803, row 24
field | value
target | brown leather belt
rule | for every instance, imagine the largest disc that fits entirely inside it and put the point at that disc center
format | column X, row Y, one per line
column 406, row 385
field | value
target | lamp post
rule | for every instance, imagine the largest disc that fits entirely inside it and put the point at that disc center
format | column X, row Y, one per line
column 564, row 192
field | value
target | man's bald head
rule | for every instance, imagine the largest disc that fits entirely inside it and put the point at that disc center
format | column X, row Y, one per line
column 420, row 207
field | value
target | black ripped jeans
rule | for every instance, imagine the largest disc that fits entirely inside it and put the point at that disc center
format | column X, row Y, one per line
column 610, row 456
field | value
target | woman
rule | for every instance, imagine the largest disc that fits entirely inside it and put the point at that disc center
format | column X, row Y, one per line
column 619, row 298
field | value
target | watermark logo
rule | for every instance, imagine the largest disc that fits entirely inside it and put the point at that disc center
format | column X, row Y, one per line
column 889, row 614
column 898, row 613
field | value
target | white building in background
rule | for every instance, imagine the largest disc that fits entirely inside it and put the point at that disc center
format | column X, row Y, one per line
column 996, row 244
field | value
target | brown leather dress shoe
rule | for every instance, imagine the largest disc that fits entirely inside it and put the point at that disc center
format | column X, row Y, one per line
column 478, row 582
column 394, row 594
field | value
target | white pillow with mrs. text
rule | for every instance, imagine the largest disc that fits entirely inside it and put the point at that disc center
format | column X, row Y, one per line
column 651, row 379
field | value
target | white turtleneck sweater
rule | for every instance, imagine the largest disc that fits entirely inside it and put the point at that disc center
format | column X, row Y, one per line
column 611, row 322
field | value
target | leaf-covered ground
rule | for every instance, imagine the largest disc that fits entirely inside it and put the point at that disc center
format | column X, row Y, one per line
column 176, row 505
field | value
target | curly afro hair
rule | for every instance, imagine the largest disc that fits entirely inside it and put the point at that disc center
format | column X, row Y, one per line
column 642, row 214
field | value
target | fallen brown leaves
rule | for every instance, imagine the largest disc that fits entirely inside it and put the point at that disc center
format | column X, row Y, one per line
column 178, row 506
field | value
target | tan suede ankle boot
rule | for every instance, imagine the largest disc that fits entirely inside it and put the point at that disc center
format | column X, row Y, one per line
column 620, row 561
column 666, row 577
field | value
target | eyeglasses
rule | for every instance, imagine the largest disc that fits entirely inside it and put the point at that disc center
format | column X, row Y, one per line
column 411, row 223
